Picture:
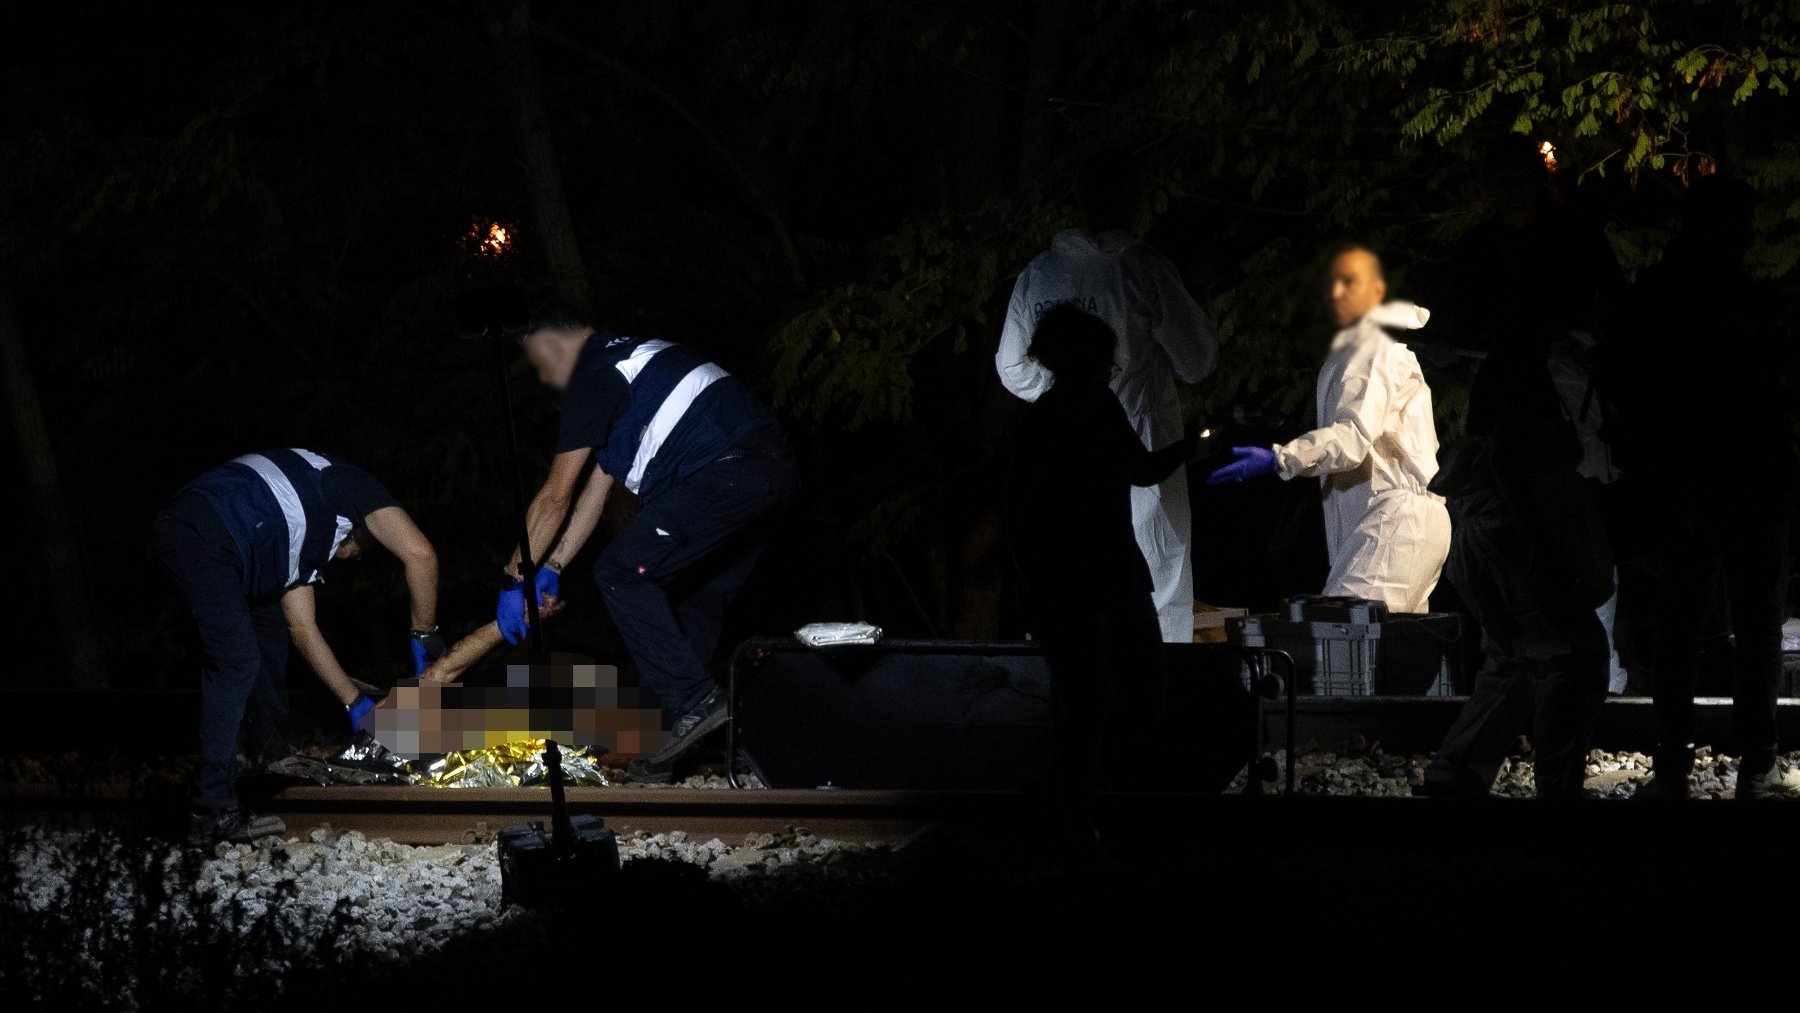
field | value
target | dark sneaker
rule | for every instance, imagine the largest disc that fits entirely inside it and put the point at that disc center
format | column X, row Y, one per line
column 649, row 770
column 706, row 717
column 212, row 826
column 1779, row 781
column 1664, row 788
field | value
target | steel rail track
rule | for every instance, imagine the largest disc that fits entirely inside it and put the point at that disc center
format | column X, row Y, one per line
column 428, row 815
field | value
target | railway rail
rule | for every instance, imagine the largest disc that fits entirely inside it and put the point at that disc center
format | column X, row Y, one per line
column 429, row 815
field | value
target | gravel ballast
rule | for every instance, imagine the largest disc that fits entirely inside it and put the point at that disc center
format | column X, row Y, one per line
column 108, row 918
column 1365, row 770
column 119, row 920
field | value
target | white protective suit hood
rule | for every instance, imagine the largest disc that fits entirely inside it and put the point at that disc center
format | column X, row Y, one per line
column 1399, row 313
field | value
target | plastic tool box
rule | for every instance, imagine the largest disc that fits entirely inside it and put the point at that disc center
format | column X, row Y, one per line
column 1351, row 647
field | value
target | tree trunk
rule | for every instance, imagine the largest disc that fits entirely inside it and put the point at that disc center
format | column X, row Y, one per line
column 52, row 531
column 509, row 22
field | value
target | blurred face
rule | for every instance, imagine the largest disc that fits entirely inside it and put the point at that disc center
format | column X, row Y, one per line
column 1353, row 286
column 353, row 547
column 554, row 354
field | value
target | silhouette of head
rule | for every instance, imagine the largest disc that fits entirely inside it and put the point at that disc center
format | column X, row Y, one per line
column 1076, row 346
column 553, row 342
column 1108, row 189
column 1354, row 283
column 1717, row 213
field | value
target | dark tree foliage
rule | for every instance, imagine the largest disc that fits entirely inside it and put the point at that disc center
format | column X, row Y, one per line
column 244, row 226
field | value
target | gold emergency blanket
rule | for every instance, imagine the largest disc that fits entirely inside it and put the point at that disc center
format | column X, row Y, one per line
column 512, row 764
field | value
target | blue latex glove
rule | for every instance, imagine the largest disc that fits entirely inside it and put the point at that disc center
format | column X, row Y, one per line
column 1251, row 462
column 426, row 649
column 509, row 612
column 359, row 709
column 549, row 584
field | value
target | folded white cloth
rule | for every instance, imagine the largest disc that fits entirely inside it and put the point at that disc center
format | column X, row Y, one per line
column 836, row 634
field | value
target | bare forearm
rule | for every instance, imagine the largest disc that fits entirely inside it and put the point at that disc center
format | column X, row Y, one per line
column 395, row 530
column 543, row 519
column 318, row 654
column 421, row 584
column 584, row 518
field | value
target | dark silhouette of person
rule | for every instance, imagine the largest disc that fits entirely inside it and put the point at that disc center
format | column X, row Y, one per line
column 1701, row 398
column 1530, row 555
column 1530, row 558
column 1076, row 459
column 1164, row 338
column 1542, row 266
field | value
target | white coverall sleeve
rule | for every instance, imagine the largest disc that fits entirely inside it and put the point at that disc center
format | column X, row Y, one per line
column 1023, row 375
column 1177, row 323
column 1358, row 418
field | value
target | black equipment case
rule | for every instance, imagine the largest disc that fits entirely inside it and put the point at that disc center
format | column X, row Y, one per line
column 569, row 864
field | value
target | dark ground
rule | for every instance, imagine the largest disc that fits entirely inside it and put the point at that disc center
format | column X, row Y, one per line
column 1288, row 891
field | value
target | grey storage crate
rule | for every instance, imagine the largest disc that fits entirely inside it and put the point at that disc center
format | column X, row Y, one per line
column 1331, row 659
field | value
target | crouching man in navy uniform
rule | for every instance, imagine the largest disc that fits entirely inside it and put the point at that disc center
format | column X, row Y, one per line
column 245, row 543
column 713, row 472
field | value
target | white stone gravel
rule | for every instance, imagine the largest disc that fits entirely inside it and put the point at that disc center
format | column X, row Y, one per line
column 92, row 901
column 1367, row 771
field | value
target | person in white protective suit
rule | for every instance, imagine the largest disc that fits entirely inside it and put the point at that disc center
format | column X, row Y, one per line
column 1164, row 336
column 1375, row 449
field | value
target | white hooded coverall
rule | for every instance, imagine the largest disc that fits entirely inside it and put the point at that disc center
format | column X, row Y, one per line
column 1375, row 451
column 1163, row 336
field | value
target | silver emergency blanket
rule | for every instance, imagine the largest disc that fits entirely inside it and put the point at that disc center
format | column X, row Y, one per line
column 512, row 764
column 837, row 634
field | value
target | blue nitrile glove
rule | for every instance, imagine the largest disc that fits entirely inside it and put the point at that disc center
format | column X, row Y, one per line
column 509, row 612
column 1251, row 462
column 426, row 648
column 549, row 583
column 359, row 709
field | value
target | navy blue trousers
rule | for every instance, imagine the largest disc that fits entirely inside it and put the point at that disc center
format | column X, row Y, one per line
column 243, row 687
column 668, row 577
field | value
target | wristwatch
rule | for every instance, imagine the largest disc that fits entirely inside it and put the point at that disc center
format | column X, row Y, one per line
column 422, row 634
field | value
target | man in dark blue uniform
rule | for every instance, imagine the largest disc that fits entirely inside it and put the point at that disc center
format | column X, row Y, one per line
column 245, row 543
column 713, row 472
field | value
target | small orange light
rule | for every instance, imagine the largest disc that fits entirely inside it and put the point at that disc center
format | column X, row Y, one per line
column 491, row 240
column 1548, row 150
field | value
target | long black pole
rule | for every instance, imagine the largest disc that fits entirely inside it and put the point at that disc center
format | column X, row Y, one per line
column 527, row 566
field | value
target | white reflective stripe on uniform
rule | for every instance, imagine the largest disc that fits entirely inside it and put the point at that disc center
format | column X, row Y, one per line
column 633, row 364
column 289, row 498
column 337, row 539
column 343, row 523
column 669, row 415
column 318, row 463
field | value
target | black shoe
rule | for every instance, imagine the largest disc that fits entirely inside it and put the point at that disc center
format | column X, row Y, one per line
column 1781, row 780
column 708, row 716
column 206, row 827
column 1665, row 788
column 649, row 770
column 1669, row 777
